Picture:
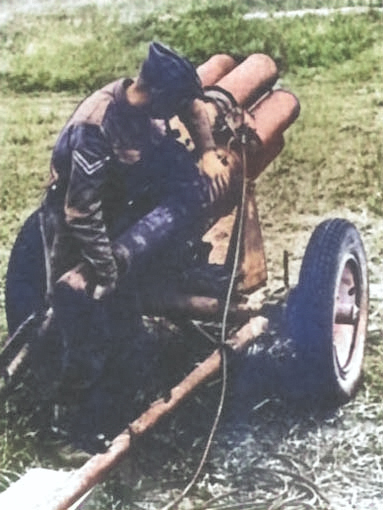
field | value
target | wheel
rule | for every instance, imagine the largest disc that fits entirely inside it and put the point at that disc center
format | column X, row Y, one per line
column 327, row 312
column 24, row 295
column 25, row 279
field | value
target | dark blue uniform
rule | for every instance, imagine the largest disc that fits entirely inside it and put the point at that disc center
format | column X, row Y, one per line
column 124, row 195
column 119, row 184
column 119, row 181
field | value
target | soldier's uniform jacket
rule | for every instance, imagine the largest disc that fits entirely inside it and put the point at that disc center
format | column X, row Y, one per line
column 104, row 138
column 107, row 157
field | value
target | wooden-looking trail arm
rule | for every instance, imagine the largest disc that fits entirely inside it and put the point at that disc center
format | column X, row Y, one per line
column 96, row 469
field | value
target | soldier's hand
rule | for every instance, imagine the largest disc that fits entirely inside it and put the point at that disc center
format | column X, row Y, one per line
column 219, row 163
column 75, row 278
column 101, row 291
column 82, row 278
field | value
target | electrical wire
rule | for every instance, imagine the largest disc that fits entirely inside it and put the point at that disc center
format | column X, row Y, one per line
column 222, row 343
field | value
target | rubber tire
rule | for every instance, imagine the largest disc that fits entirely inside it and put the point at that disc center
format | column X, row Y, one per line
column 334, row 265
column 25, row 279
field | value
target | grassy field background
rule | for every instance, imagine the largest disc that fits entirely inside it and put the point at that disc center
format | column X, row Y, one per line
column 331, row 166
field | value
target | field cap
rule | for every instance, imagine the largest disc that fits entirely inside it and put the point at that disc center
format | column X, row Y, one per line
column 172, row 79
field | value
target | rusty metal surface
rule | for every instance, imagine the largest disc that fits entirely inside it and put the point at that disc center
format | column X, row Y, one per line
column 269, row 118
column 268, row 115
column 250, row 79
column 96, row 468
column 274, row 114
column 215, row 68
column 252, row 270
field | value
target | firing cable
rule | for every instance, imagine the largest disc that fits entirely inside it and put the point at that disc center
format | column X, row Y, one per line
column 222, row 342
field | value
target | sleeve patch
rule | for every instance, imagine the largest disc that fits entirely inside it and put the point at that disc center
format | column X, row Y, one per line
column 85, row 165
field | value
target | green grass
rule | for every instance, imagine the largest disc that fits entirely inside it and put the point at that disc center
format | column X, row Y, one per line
column 81, row 50
column 340, row 115
column 287, row 5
